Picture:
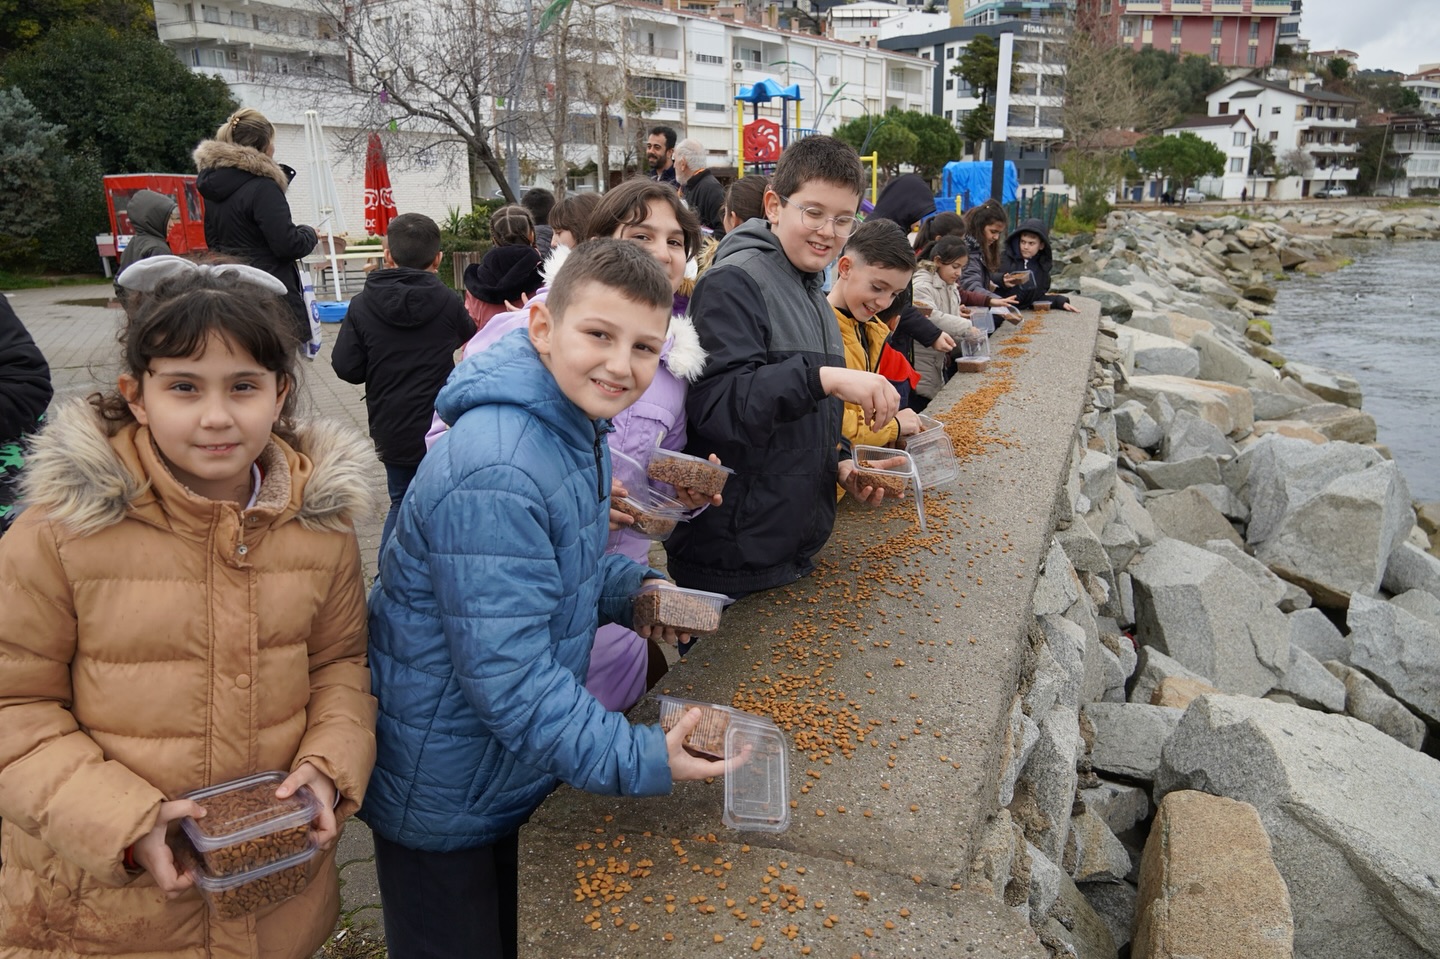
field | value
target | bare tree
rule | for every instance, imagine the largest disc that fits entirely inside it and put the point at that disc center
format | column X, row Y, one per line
column 447, row 68
column 1298, row 163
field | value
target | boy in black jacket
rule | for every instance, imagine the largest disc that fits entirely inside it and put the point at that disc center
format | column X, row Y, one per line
column 770, row 399
column 399, row 340
column 25, row 392
column 1027, row 251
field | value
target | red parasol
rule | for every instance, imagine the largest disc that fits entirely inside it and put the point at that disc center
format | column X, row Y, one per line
column 379, row 203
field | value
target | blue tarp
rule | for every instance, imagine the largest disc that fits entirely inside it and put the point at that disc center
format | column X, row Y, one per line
column 970, row 181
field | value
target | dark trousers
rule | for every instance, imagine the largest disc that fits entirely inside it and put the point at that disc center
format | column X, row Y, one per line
column 397, row 481
column 450, row 905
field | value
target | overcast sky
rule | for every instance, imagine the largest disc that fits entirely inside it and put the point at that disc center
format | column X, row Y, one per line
column 1388, row 34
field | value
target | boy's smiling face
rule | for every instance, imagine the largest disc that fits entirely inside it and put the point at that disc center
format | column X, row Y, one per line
column 810, row 251
column 603, row 351
column 864, row 289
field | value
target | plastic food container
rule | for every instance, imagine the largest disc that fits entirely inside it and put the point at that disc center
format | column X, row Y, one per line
column 891, row 469
column 656, row 515
column 692, row 611
column 245, row 827
column 682, row 469
column 1023, row 278
column 933, row 454
column 757, row 793
column 982, row 319
column 242, row 893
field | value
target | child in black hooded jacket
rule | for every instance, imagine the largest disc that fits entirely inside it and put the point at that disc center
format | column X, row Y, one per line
column 1028, row 250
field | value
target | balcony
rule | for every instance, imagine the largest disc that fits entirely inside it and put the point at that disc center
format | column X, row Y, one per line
column 188, row 32
column 897, row 85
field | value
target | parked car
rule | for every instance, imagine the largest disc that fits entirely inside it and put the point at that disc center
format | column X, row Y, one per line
column 1332, row 192
column 1192, row 195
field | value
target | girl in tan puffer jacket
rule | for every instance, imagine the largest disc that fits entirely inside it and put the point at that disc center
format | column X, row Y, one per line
column 183, row 606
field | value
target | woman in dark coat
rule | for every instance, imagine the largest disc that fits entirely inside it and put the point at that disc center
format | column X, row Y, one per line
column 246, row 213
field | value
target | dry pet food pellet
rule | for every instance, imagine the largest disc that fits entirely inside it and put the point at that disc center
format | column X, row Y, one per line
column 648, row 523
column 702, row 476
column 708, row 736
column 680, row 610
column 892, row 485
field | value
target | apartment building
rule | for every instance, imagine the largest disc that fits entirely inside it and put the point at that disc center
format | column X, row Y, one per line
column 684, row 64
column 1415, row 137
column 1232, row 33
column 1426, row 84
column 979, row 13
column 271, row 54
column 1316, row 122
column 1289, row 34
column 1034, row 118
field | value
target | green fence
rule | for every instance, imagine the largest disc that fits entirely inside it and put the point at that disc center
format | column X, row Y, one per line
column 1040, row 206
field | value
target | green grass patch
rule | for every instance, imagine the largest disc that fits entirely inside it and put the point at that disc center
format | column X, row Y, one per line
column 36, row 281
column 1409, row 204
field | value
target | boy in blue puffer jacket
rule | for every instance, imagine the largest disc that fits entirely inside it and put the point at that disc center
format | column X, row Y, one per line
column 489, row 594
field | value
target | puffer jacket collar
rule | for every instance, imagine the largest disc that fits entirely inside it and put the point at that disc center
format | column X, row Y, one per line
column 510, row 373
column 214, row 155
column 89, row 474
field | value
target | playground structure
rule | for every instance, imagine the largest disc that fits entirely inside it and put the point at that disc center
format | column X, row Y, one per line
column 760, row 142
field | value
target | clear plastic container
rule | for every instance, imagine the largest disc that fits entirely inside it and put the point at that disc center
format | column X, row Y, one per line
column 933, row 455
column 757, row 792
column 982, row 319
column 681, row 469
column 656, row 515
column 245, row 826
column 893, row 470
column 693, row 611
column 242, row 893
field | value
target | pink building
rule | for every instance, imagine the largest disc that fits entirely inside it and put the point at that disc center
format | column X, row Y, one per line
column 1232, row 33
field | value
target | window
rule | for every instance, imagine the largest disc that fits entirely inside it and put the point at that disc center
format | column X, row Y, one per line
column 1225, row 108
column 1216, row 26
column 1175, row 24
column 1149, row 24
column 1237, row 164
column 710, row 107
column 1250, row 55
column 949, row 53
column 267, row 24
column 1274, row 111
column 949, row 84
column 1274, row 135
column 1239, row 138
column 1215, row 57
column 1254, row 29
column 210, row 14
column 667, row 94
column 1105, row 7
column 949, row 114
column 1175, row 48
column 709, row 58
column 238, row 19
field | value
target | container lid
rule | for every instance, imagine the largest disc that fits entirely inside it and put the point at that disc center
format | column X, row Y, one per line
column 934, row 457
column 651, row 500
column 213, row 884
column 928, row 423
column 757, row 793
column 867, row 458
column 720, row 600
column 264, row 816
column 663, row 453
column 629, row 471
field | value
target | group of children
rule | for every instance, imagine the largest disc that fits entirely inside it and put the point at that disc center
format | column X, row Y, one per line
column 184, row 599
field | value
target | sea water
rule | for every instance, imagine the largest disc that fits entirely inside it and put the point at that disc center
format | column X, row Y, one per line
column 1379, row 321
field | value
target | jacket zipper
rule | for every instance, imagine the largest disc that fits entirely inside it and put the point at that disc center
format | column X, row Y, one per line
column 599, row 466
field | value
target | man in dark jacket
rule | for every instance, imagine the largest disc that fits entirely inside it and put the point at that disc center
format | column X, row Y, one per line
column 702, row 192
column 25, row 392
column 248, row 217
column 399, row 339
column 1028, row 251
column 149, row 214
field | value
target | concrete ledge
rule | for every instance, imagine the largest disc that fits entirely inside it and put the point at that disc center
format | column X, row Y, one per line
column 893, row 670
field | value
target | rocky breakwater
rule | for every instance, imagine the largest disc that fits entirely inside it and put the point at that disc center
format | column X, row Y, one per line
column 1344, row 220
column 1223, row 740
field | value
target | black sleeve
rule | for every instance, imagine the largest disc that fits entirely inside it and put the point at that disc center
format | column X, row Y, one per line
column 25, row 389
column 272, row 216
column 461, row 322
column 914, row 325
column 708, row 204
column 349, row 357
column 743, row 393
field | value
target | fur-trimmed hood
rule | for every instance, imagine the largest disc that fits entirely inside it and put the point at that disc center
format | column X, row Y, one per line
column 214, row 155
column 88, row 474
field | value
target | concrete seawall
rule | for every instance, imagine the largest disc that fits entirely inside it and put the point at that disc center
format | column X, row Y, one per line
column 893, row 671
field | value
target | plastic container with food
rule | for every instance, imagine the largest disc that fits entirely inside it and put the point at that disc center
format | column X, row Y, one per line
column 890, row 470
column 681, row 469
column 242, row 893
column 245, row 826
column 692, row 611
column 933, row 454
column 656, row 515
column 756, row 791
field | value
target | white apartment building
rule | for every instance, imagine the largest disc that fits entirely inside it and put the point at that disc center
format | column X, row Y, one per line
column 1315, row 121
column 859, row 22
column 1232, row 135
column 267, row 53
column 1416, row 138
column 1426, row 84
column 687, row 67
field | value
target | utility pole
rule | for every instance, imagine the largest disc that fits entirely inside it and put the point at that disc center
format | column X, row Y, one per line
column 1002, row 116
